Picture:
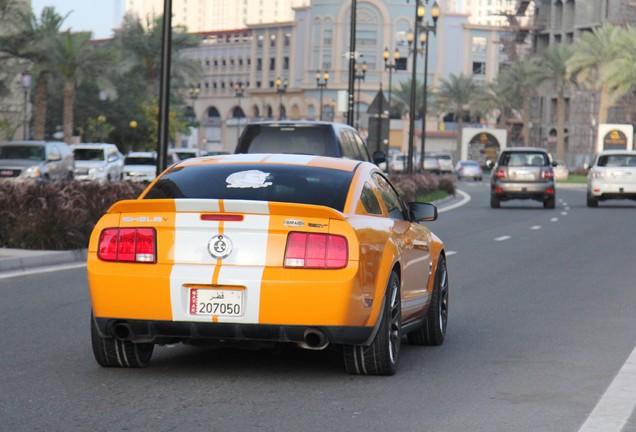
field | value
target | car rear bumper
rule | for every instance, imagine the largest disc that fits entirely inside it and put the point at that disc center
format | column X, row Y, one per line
column 540, row 191
column 199, row 332
column 612, row 190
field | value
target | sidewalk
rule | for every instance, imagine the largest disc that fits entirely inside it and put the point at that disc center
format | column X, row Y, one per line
column 21, row 259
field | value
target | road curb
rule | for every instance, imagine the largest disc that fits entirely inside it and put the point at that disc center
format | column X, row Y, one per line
column 18, row 259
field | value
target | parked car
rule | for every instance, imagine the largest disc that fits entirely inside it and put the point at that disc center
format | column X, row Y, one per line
column 98, row 161
column 43, row 160
column 612, row 175
column 140, row 166
column 312, row 251
column 306, row 137
column 523, row 173
column 178, row 154
column 469, row 169
column 399, row 162
column 445, row 161
column 561, row 171
column 431, row 164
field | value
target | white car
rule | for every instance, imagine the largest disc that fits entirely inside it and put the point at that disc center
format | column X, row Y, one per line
column 445, row 161
column 178, row 154
column 98, row 161
column 612, row 175
column 561, row 171
column 140, row 166
column 469, row 169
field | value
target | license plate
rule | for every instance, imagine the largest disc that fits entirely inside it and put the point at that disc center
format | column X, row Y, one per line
column 6, row 173
column 524, row 176
column 216, row 302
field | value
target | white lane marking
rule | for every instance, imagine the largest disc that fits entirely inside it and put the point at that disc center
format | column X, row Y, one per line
column 449, row 253
column 38, row 270
column 503, row 238
column 536, row 227
column 567, row 208
column 465, row 200
column 554, row 219
column 564, row 213
column 616, row 405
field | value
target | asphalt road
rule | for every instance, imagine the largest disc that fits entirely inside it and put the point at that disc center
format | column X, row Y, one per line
column 541, row 323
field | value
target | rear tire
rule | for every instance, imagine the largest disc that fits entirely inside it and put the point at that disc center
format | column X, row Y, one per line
column 591, row 202
column 380, row 358
column 112, row 352
column 494, row 202
column 433, row 330
column 550, row 203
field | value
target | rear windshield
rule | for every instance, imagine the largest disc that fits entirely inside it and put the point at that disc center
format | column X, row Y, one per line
column 35, row 153
column 281, row 183
column 297, row 139
column 139, row 160
column 470, row 163
column 88, row 154
column 523, row 159
column 617, row 160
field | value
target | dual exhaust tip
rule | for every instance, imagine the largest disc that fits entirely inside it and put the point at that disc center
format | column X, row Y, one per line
column 313, row 338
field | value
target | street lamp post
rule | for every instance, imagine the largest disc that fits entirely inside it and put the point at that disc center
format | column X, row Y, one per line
column 360, row 73
column 425, row 29
column 239, row 93
column 26, row 85
column 390, row 66
column 281, row 88
column 321, row 82
column 420, row 34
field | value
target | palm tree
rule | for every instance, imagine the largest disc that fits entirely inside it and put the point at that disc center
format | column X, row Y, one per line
column 517, row 85
column 594, row 54
column 76, row 58
column 32, row 41
column 455, row 95
column 402, row 97
column 555, row 78
column 620, row 75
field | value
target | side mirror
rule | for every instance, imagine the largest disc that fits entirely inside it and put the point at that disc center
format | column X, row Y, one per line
column 422, row 212
column 587, row 165
column 489, row 163
column 554, row 163
column 378, row 157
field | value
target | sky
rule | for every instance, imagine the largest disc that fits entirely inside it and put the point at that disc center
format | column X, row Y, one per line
column 99, row 16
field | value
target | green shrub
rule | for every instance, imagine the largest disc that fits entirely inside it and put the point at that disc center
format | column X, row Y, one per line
column 413, row 185
column 56, row 215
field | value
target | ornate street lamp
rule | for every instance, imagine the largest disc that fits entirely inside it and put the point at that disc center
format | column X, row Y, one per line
column 360, row 73
column 281, row 88
column 239, row 92
column 390, row 66
column 321, row 82
column 26, row 85
column 420, row 34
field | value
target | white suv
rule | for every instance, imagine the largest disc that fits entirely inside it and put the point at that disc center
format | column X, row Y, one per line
column 98, row 161
column 140, row 166
column 612, row 176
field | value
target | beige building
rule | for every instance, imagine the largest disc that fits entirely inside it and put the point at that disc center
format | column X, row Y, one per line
column 215, row 15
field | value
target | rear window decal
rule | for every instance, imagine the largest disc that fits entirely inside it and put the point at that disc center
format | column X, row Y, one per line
column 251, row 179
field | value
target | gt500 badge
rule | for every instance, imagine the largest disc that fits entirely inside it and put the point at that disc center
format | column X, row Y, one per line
column 220, row 246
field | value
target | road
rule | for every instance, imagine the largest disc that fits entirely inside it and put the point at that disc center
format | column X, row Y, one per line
column 541, row 324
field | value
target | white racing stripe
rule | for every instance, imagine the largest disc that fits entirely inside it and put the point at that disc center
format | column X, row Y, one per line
column 617, row 404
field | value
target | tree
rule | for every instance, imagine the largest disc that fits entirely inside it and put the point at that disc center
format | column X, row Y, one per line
column 591, row 61
column 75, row 59
column 32, row 41
column 554, row 77
column 620, row 75
column 455, row 95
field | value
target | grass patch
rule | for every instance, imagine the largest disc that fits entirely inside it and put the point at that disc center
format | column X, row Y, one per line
column 432, row 196
column 574, row 179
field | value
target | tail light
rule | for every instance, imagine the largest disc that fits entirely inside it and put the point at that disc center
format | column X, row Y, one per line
column 320, row 251
column 547, row 174
column 500, row 173
column 128, row 245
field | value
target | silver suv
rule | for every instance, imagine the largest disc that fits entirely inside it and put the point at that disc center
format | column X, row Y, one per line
column 40, row 160
column 523, row 173
column 98, row 161
column 306, row 137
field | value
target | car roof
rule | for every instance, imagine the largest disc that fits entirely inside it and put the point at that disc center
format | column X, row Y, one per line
column 92, row 145
column 278, row 159
column 33, row 143
column 524, row 149
column 141, row 154
column 300, row 123
column 610, row 152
